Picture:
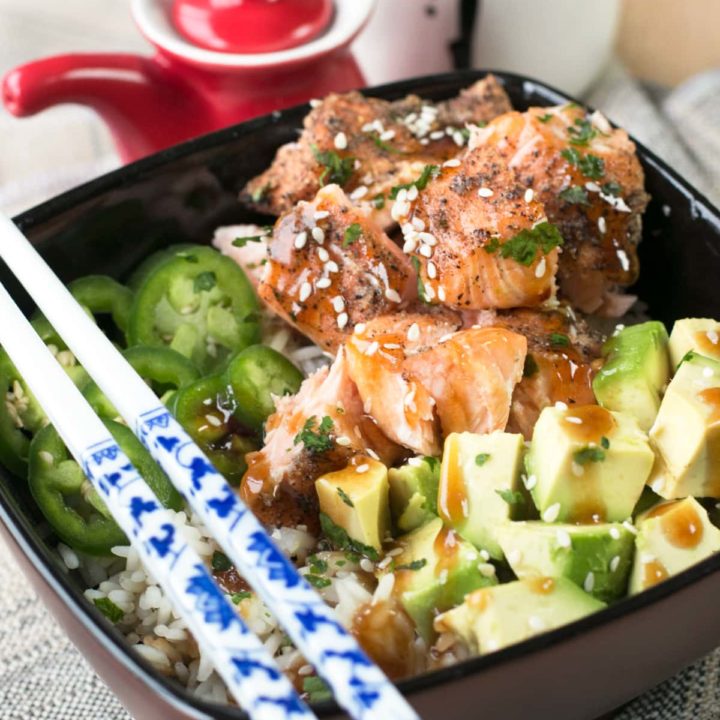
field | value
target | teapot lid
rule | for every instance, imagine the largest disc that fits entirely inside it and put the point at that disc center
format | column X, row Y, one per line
column 251, row 26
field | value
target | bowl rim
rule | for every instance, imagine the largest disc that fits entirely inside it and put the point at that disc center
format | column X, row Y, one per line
column 21, row 531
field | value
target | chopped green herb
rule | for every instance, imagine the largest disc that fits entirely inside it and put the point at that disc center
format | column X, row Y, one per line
column 345, row 497
column 531, row 367
column 316, row 689
column 317, row 565
column 591, row 166
column 559, row 339
column 433, row 462
column 386, row 146
column 575, row 195
column 341, row 563
column 492, row 246
column 238, row 597
column 581, row 132
column 109, row 609
column 588, row 455
column 205, row 281
column 482, row 458
column 220, row 561
column 611, row 188
column 524, row 246
column 316, row 441
column 337, row 170
column 604, row 443
column 338, row 538
column 545, row 118
column 429, row 171
column 318, row 582
column 243, row 241
column 511, row 497
column 379, row 201
column 351, row 234
column 689, row 355
column 260, row 193
column 420, row 284
column 189, row 257
column 414, row 565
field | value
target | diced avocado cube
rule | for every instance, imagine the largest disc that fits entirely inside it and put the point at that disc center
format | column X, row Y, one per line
column 701, row 335
column 635, row 373
column 597, row 558
column 686, row 432
column 435, row 571
column 671, row 537
column 413, row 492
column 587, row 464
column 495, row 617
column 480, row 486
column 356, row 499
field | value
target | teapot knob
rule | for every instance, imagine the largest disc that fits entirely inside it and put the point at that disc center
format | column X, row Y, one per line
column 251, row 26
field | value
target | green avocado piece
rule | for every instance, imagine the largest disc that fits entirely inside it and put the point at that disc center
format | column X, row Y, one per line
column 597, row 558
column 587, row 464
column 636, row 372
column 671, row 537
column 495, row 617
column 435, row 571
column 686, row 432
column 480, row 486
column 413, row 492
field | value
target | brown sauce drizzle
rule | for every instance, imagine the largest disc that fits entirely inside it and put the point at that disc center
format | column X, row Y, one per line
column 595, row 422
column 705, row 343
column 654, row 572
column 711, row 398
column 680, row 522
column 446, row 548
column 541, row 585
column 479, row 600
column 452, row 498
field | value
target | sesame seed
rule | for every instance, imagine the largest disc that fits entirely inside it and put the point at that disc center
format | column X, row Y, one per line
column 300, row 240
column 614, row 533
column 387, row 135
column 529, row 195
column 393, row 295
column 362, row 468
column 485, row 192
column 451, row 163
column 214, row 421
column 552, row 513
column 321, row 214
column 602, row 225
column 540, row 268
column 427, row 238
column 429, row 291
column 592, row 187
column 536, row 623
column 323, row 283
column 418, row 223
column 441, row 294
column 338, row 304
column 574, row 420
column 514, row 557
column 318, row 234
column 366, row 565
column 412, row 193
column 559, row 405
column 624, row 260
column 409, row 245
column 437, row 135
column 402, row 195
column 305, row 290
column 368, row 127
column 666, row 210
column 323, row 255
column 392, row 346
column 425, row 251
column 424, row 141
column 413, row 332
column 331, row 266
column 530, row 482
column 342, row 320
column 485, row 555
column 372, row 348
column 563, row 538
column 486, row 569
column 359, row 328
column 627, row 524
column 340, row 141
column 458, row 138
column 417, row 462
column 589, row 583
column 712, row 336
column 400, row 209
column 359, row 192
column 343, row 440
column 707, row 372
column 431, row 270
column 372, row 454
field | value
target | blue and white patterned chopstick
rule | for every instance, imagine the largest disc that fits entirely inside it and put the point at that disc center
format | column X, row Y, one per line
column 358, row 685
column 238, row 656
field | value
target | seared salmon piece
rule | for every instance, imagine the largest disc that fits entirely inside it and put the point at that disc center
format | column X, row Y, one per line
column 476, row 238
column 587, row 175
column 398, row 402
column 562, row 359
column 331, row 266
column 312, row 432
column 368, row 145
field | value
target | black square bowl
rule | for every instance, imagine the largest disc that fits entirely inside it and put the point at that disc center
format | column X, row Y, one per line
column 581, row 670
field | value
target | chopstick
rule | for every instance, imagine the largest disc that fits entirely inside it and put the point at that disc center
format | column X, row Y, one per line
column 237, row 654
column 358, row 685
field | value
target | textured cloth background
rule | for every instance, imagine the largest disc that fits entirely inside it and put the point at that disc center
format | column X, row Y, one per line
column 42, row 676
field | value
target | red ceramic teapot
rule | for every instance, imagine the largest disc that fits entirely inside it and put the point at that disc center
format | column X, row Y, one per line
column 218, row 62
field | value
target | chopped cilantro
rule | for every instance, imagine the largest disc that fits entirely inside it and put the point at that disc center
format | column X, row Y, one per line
column 482, row 458
column 575, row 195
column 604, row 443
column 109, row 609
column 545, row 118
column 420, row 284
column 433, row 462
column 238, row 597
column 317, row 565
column 337, row 170
column 559, row 339
column 588, row 455
column 341, row 563
column 379, row 201
column 511, row 497
column 414, row 565
column 345, row 497
column 339, row 538
column 591, row 166
column 316, row 441
column 581, row 132
column 351, row 234
column 386, row 146
column 492, row 246
column 531, row 367
column 243, row 241
column 689, row 355
column 318, row 582
column 205, row 281
column 429, row 171
column 316, row 689
column 220, row 561
column 524, row 246
column 611, row 188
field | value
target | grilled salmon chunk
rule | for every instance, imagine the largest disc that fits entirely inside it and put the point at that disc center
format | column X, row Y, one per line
column 476, row 238
column 587, row 175
column 368, row 145
column 331, row 266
